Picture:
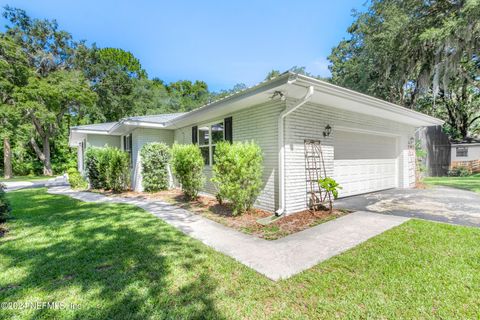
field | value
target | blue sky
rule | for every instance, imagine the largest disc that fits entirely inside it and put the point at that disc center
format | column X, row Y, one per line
column 220, row 42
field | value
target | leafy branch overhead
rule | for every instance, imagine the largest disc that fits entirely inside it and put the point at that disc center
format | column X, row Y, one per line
column 420, row 54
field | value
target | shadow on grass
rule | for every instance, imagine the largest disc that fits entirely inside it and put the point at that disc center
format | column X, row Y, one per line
column 115, row 261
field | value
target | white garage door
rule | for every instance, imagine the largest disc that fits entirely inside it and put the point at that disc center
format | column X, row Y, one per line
column 364, row 162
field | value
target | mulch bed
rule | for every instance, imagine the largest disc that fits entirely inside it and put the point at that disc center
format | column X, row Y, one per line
column 209, row 207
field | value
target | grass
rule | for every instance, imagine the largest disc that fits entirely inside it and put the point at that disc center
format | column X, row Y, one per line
column 117, row 261
column 25, row 178
column 471, row 183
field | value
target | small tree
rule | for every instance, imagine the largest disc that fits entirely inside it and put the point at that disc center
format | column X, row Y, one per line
column 238, row 173
column 155, row 158
column 187, row 165
column 331, row 187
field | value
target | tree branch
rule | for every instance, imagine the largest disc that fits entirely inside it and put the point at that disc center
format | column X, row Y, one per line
column 37, row 150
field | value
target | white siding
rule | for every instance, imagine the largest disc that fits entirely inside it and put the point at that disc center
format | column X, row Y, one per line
column 140, row 137
column 473, row 152
column 258, row 123
column 309, row 122
column 100, row 141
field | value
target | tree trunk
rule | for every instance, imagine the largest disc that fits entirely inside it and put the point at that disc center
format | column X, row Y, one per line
column 7, row 159
column 47, row 166
column 44, row 156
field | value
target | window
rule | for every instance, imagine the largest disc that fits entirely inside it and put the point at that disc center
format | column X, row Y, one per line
column 462, row 151
column 127, row 146
column 208, row 136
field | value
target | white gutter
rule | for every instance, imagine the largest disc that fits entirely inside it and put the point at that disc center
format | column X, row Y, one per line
column 281, row 149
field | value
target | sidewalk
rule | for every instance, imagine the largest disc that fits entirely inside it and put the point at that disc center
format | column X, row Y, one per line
column 16, row 185
column 278, row 259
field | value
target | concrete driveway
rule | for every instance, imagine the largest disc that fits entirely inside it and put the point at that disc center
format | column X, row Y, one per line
column 441, row 204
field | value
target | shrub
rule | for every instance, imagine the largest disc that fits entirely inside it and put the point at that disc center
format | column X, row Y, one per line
column 155, row 158
column 118, row 169
column 330, row 186
column 108, row 168
column 187, row 166
column 95, row 177
column 76, row 180
column 238, row 173
column 4, row 204
column 459, row 172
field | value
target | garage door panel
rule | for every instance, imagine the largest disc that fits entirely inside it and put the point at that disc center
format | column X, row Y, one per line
column 364, row 163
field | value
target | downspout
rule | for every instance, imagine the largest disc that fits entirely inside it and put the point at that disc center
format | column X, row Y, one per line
column 281, row 149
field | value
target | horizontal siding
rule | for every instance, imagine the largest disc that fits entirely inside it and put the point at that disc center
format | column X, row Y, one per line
column 100, row 141
column 257, row 123
column 308, row 122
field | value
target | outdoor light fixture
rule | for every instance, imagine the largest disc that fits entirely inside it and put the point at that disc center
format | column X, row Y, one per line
column 327, row 131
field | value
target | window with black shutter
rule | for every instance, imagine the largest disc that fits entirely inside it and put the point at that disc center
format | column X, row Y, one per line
column 195, row 135
column 228, row 129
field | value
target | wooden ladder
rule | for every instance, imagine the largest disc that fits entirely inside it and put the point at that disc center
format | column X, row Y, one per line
column 314, row 170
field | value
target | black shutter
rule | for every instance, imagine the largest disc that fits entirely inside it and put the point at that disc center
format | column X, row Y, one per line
column 228, row 129
column 195, row 135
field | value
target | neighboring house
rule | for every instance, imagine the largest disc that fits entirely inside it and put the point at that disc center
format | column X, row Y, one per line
column 466, row 154
column 367, row 144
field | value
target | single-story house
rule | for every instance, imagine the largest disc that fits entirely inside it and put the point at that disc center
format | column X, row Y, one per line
column 367, row 144
column 466, row 154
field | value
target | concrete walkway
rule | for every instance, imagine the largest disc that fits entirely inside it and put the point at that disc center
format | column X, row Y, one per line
column 278, row 259
column 17, row 185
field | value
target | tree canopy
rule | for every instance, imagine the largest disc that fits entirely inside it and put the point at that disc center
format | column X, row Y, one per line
column 420, row 54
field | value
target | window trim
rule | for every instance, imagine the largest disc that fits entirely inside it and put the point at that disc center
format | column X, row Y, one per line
column 210, row 140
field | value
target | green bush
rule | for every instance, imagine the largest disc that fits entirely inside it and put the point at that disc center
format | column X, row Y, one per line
column 459, row 172
column 187, row 166
column 237, row 173
column 95, row 177
column 155, row 158
column 108, row 168
column 76, row 180
column 331, row 187
column 4, row 204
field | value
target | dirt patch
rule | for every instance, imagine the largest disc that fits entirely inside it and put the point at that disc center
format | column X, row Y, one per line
column 209, row 207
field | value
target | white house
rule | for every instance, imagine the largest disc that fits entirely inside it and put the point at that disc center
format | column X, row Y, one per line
column 367, row 143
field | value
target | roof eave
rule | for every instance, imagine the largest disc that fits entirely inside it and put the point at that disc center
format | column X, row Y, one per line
column 329, row 88
column 263, row 86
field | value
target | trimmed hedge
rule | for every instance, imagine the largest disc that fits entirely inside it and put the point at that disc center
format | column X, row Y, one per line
column 187, row 165
column 108, row 168
column 238, row 173
column 155, row 157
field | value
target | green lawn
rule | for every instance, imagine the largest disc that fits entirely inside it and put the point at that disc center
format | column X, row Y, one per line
column 119, row 262
column 25, row 178
column 471, row 183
